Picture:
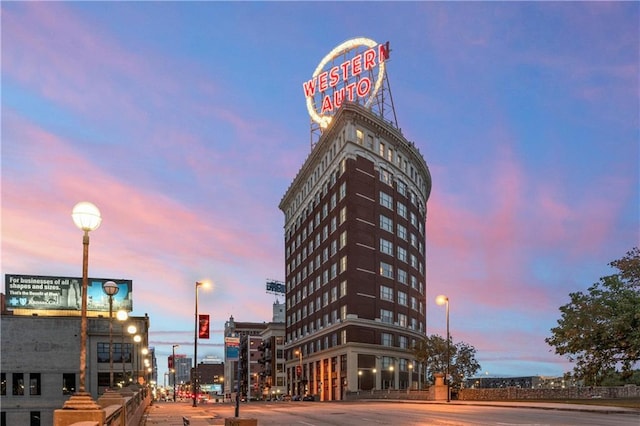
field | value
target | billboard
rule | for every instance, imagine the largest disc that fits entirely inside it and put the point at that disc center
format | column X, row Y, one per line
column 232, row 347
column 64, row 293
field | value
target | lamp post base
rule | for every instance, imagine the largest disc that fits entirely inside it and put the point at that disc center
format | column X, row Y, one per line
column 80, row 407
column 80, row 401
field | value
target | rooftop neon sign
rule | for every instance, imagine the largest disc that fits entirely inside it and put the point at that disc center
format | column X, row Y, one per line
column 352, row 80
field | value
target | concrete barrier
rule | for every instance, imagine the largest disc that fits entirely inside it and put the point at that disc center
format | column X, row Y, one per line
column 238, row 421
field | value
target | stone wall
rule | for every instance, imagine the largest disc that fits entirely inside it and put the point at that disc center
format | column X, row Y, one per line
column 629, row 391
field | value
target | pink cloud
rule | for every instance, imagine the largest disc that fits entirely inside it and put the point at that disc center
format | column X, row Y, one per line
column 144, row 236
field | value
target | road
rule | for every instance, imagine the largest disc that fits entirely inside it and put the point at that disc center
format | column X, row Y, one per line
column 389, row 413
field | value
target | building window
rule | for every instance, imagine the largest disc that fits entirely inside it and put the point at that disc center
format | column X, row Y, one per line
column 343, row 264
column 386, row 223
column 386, row 177
column 34, row 384
column 402, row 342
column 103, row 352
column 386, row 200
column 343, row 215
column 370, row 142
column 402, row 276
column 381, row 149
column 402, row 232
column 402, row 209
column 3, row 383
column 343, row 239
column 342, row 191
column 68, row 383
column 34, row 418
column 359, row 136
column 386, row 339
column 386, row 293
column 18, row 384
column 402, row 188
column 104, row 379
column 386, row 247
column 402, row 298
column 386, row 270
column 343, row 288
column 386, row 316
column 402, row 254
column 402, row 320
column 343, row 312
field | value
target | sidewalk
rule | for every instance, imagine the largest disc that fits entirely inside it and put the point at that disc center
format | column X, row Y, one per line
column 174, row 414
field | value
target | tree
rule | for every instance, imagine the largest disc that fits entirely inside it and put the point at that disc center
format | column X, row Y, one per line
column 600, row 330
column 432, row 354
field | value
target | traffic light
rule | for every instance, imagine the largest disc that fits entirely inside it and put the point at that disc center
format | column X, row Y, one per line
column 170, row 362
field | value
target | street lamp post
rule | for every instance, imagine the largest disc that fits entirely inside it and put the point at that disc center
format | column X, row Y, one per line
column 132, row 330
column 300, row 375
column 194, row 379
column 410, row 367
column 111, row 289
column 136, row 339
column 122, row 316
column 86, row 216
column 173, row 349
column 444, row 300
column 145, row 352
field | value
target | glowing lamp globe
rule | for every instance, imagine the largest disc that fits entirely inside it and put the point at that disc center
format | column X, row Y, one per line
column 86, row 216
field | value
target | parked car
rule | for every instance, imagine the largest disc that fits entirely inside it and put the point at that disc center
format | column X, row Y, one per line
column 309, row 398
column 296, row 398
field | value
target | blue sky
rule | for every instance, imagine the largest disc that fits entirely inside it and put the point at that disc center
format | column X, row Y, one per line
column 185, row 123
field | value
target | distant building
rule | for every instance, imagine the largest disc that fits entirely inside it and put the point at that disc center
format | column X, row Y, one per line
column 211, row 377
column 249, row 334
column 272, row 375
column 182, row 365
column 40, row 352
column 261, row 371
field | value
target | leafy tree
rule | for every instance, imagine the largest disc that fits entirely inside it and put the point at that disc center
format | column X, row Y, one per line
column 600, row 330
column 432, row 354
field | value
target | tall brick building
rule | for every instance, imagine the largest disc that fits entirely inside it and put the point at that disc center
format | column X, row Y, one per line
column 355, row 259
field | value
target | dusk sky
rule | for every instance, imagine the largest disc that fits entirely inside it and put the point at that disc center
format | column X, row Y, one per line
column 185, row 123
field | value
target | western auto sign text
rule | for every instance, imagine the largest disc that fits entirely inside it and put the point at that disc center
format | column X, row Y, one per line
column 354, row 79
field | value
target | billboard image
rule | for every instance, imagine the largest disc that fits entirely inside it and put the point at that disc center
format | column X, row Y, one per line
column 64, row 293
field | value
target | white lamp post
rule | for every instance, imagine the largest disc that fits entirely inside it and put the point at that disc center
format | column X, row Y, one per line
column 110, row 289
column 86, row 216
column 122, row 316
column 444, row 300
